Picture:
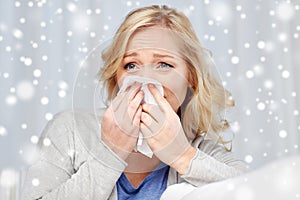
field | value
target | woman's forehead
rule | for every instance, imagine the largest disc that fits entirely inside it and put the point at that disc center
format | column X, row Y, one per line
column 154, row 38
column 152, row 52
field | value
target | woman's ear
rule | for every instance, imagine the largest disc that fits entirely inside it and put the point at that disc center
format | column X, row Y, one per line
column 190, row 86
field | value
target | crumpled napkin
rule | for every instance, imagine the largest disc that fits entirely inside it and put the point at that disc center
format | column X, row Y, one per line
column 142, row 145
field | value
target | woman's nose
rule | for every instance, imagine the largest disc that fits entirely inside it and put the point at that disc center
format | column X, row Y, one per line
column 147, row 72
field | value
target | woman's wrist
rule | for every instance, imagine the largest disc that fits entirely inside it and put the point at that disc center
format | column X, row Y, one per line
column 182, row 164
column 120, row 152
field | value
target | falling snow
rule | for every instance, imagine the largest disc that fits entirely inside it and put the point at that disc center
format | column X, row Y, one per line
column 285, row 74
column 37, row 73
column 25, row 90
column 285, row 11
column 261, row 44
column 282, row 134
column 255, row 48
column 3, row 131
column 261, row 106
column 248, row 158
column 35, row 182
column 46, row 142
column 34, row 139
column 235, row 60
column 44, row 100
column 11, row 100
column 48, row 116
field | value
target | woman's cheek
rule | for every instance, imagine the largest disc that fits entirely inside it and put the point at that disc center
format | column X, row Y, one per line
column 173, row 99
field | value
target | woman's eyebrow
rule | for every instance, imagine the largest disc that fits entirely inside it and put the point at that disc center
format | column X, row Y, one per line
column 162, row 56
column 155, row 55
column 133, row 54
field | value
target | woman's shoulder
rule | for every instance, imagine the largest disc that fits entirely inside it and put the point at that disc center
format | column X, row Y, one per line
column 73, row 129
column 72, row 115
column 67, row 122
column 209, row 145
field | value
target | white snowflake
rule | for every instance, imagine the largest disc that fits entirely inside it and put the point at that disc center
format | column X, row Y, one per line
column 37, row 73
column 129, row 3
column 268, row 84
column 44, row 100
column 285, row 74
column 238, row 7
column 17, row 4
column 25, row 90
column 3, row 131
column 48, row 116
column 247, row 45
column 248, row 158
column 17, row 33
column 249, row 74
column 261, row 106
column 34, row 139
column 11, row 100
column 97, row 11
column 46, row 142
column 285, row 11
column 282, row 134
column 105, row 27
column 261, row 44
column 235, row 60
column 72, row 7
column 24, row 126
column 35, row 182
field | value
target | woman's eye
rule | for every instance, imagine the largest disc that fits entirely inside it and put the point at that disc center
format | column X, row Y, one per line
column 130, row 66
column 164, row 65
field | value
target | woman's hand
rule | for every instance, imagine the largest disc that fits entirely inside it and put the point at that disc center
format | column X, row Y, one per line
column 120, row 123
column 165, row 136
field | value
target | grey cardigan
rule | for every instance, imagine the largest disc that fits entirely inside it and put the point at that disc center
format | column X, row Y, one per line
column 75, row 164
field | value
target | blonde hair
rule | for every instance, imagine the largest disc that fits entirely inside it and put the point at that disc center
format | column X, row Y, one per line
column 207, row 98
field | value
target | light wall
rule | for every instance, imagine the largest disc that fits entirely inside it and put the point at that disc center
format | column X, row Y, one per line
column 255, row 45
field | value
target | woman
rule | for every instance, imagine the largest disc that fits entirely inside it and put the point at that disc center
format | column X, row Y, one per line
column 158, row 43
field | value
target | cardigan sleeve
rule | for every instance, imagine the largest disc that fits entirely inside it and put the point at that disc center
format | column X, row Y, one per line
column 53, row 175
column 213, row 163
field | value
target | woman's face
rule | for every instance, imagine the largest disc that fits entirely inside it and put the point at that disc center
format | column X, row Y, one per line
column 153, row 52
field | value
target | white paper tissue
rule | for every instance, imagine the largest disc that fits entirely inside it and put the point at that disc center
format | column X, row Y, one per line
column 142, row 145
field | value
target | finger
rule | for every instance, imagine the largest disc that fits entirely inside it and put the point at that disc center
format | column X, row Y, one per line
column 137, row 117
column 161, row 101
column 154, row 111
column 123, row 115
column 117, row 101
column 121, row 104
column 147, row 119
column 125, row 97
column 151, row 124
column 145, row 130
column 134, row 89
column 135, row 104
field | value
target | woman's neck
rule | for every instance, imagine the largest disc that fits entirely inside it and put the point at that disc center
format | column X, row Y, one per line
column 139, row 163
column 139, row 167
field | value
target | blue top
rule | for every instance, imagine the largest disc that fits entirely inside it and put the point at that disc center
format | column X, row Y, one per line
column 151, row 188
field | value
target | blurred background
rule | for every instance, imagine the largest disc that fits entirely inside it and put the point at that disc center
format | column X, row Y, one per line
column 45, row 46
